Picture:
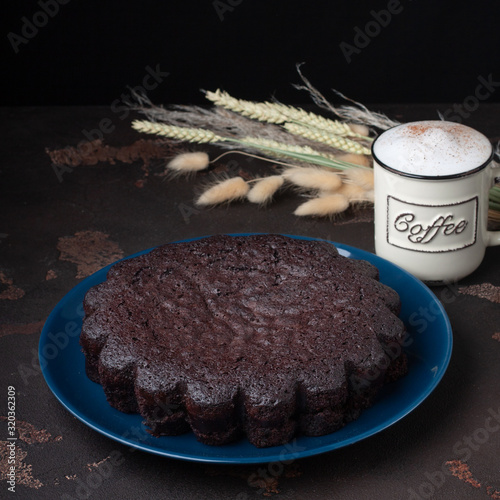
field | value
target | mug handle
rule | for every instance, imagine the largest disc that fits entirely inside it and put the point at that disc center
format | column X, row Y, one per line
column 494, row 236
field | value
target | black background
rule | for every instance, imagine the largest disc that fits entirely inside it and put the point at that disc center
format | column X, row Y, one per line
column 90, row 52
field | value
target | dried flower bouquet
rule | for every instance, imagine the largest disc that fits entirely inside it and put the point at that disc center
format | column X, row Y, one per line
column 326, row 160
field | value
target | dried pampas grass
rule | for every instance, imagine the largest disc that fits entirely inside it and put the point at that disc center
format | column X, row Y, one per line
column 357, row 114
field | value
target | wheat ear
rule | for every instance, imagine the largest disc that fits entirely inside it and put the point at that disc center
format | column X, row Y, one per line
column 174, row 132
column 277, row 113
column 335, row 141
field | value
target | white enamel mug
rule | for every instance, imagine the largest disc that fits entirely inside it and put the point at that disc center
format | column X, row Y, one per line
column 432, row 180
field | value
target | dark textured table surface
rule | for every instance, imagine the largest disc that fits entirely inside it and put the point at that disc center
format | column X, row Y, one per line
column 60, row 222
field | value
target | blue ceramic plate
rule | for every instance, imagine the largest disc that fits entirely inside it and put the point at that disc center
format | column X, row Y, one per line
column 429, row 348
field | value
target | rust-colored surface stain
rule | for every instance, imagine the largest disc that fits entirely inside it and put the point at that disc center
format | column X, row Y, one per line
column 31, row 435
column 89, row 250
column 484, row 291
column 21, row 329
column 91, row 153
column 51, row 274
column 9, row 291
column 95, row 465
column 461, row 470
column 496, row 336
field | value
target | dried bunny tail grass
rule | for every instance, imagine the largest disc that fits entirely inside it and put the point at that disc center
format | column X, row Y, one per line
column 223, row 191
column 370, row 196
column 361, row 176
column 313, row 178
column 357, row 195
column 352, row 192
column 355, row 159
column 189, row 162
column 323, row 206
column 264, row 189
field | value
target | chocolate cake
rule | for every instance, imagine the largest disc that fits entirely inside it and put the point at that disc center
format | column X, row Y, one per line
column 264, row 335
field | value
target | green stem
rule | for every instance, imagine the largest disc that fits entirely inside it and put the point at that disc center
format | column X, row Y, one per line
column 495, row 194
column 494, row 206
column 308, row 158
column 314, row 127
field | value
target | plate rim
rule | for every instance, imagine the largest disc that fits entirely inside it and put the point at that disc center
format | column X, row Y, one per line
column 355, row 252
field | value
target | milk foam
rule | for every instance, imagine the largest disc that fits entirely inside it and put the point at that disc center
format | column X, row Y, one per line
column 432, row 148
